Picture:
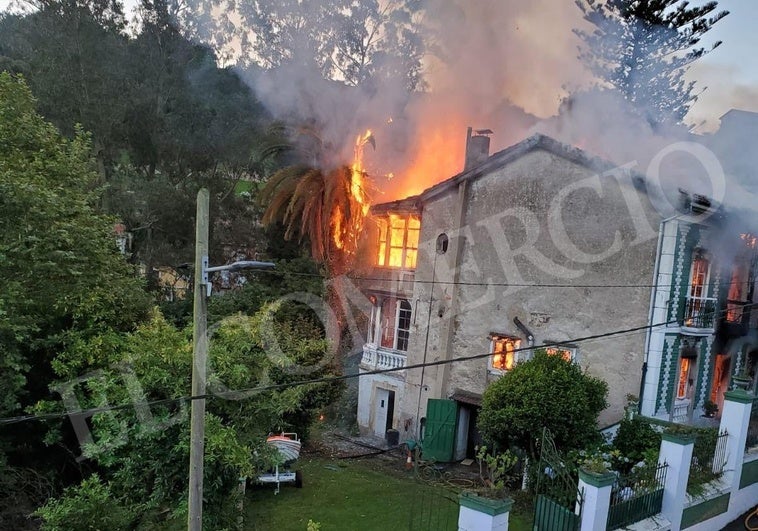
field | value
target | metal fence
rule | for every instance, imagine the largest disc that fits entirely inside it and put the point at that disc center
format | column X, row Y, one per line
column 708, row 459
column 636, row 496
column 435, row 509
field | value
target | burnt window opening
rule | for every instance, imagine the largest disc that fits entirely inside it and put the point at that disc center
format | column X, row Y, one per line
column 398, row 241
column 687, row 366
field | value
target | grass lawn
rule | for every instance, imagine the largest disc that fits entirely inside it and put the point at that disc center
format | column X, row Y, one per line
column 355, row 495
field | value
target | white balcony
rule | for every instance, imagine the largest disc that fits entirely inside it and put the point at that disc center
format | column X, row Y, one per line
column 681, row 411
column 381, row 358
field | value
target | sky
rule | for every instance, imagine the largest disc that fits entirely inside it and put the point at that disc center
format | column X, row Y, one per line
column 730, row 72
column 726, row 78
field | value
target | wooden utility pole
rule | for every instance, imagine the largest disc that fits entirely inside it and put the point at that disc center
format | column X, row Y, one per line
column 199, row 366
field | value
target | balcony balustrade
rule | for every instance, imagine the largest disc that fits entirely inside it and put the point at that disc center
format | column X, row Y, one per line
column 680, row 413
column 381, row 358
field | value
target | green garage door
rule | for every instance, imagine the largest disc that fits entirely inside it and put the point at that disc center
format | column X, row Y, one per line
column 439, row 432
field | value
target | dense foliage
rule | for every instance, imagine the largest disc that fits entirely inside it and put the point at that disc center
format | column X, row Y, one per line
column 142, row 450
column 546, row 391
column 63, row 278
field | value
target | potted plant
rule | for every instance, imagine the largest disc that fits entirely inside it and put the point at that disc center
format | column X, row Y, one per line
column 488, row 508
column 710, row 409
column 742, row 379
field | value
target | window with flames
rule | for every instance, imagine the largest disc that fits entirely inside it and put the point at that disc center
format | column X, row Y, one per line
column 398, row 241
column 567, row 353
column 503, row 352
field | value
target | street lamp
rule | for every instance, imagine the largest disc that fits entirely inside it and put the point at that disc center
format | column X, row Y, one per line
column 200, row 355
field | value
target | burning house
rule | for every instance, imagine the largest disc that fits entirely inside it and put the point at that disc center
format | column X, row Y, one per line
column 538, row 244
column 706, row 273
column 543, row 244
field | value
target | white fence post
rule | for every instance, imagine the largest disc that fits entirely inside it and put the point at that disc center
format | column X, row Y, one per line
column 597, row 499
column 676, row 450
column 735, row 419
column 483, row 514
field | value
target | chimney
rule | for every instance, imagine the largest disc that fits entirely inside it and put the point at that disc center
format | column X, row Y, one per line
column 477, row 147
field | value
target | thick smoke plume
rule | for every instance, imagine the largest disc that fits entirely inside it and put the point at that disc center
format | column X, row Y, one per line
column 508, row 66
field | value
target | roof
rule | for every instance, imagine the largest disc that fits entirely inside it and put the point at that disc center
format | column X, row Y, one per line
column 466, row 397
column 498, row 160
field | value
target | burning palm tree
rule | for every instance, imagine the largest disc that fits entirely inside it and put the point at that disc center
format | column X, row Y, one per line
column 326, row 206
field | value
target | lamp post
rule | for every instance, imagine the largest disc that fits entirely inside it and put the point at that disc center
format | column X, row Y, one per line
column 200, row 355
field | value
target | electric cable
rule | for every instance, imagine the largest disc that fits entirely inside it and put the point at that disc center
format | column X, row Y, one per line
column 325, row 379
column 330, row 379
column 493, row 284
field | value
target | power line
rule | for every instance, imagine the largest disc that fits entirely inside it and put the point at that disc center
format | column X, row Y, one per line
column 493, row 284
column 326, row 379
column 331, row 379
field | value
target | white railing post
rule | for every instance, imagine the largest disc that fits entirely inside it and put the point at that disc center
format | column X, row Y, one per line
column 676, row 450
column 597, row 499
column 735, row 419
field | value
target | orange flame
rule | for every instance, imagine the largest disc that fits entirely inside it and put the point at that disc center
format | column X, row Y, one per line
column 345, row 236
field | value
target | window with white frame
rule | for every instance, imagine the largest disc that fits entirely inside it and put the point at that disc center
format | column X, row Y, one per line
column 503, row 349
column 699, row 305
column 567, row 352
column 394, row 318
column 398, row 241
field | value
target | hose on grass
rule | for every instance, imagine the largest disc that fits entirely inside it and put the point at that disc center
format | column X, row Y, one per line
column 749, row 517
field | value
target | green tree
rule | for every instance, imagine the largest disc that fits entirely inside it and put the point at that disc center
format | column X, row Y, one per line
column 142, row 452
column 73, row 55
column 546, row 391
column 643, row 48
column 62, row 275
column 326, row 206
column 356, row 42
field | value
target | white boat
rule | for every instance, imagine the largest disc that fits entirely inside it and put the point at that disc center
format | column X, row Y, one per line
column 287, row 444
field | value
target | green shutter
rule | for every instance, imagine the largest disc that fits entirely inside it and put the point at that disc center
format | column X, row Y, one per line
column 439, row 431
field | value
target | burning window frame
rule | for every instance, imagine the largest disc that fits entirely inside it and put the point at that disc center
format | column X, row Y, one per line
column 398, row 241
column 503, row 349
column 567, row 352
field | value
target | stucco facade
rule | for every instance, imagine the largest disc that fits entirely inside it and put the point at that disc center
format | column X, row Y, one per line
column 540, row 232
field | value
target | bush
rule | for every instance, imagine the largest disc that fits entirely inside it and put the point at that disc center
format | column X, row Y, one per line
column 88, row 506
column 635, row 439
column 546, row 391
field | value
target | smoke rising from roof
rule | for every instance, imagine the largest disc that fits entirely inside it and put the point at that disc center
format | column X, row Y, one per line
column 507, row 66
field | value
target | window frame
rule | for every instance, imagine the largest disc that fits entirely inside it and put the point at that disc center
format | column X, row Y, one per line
column 496, row 338
column 408, row 250
column 379, row 317
column 571, row 350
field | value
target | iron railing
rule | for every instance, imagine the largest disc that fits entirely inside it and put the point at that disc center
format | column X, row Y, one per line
column 636, row 496
column 708, row 458
column 698, row 313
